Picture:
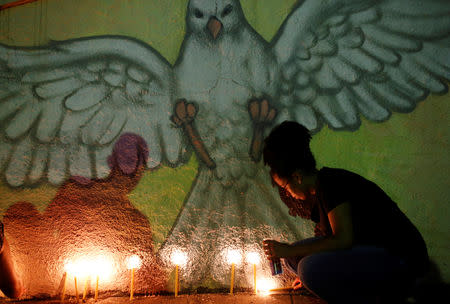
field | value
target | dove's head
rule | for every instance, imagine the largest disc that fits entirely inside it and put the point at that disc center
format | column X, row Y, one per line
column 214, row 18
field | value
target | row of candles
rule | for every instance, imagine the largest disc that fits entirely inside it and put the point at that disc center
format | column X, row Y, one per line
column 97, row 267
column 101, row 267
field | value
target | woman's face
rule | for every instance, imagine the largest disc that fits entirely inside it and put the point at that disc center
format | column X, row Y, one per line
column 292, row 185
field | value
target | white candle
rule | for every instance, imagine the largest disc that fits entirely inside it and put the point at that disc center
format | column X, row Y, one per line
column 76, row 288
column 132, row 284
column 101, row 267
column 87, row 267
column 85, row 289
column 96, row 289
column 64, row 286
column 176, row 280
column 178, row 258
column 254, row 259
column 232, row 278
column 234, row 257
column 134, row 262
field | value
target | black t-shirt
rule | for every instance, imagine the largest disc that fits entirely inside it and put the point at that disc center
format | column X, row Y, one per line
column 377, row 220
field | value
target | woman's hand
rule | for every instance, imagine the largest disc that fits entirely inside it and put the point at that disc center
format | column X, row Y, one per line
column 297, row 284
column 274, row 249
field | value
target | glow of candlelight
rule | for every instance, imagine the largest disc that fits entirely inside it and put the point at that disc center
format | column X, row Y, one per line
column 70, row 268
column 253, row 258
column 178, row 257
column 102, row 267
column 265, row 285
column 85, row 267
column 134, row 262
column 234, row 256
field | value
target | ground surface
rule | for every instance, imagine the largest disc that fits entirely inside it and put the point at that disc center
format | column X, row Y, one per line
column 238, row 298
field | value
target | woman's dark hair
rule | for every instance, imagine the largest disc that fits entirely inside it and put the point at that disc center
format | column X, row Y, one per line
column 286, row 149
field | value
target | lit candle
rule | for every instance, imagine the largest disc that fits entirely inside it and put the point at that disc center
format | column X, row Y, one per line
column 178, row 258
column 132, row 284
column 83, row 269
column 63, row 294
column 265, row 285
column 234, row 257
column 134, row 262
column 176, row 280
column 96, row 289
column 76, row 288
column 232, row 278
column 87, row 268
column 72, row 269
column 101, row 267
column 254, row 258
column 282, row 289
column 85, row 289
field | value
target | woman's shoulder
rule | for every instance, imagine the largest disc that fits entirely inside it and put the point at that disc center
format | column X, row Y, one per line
column 342, row 174
column 330, row 170
column 327, row 173
column 338, row 180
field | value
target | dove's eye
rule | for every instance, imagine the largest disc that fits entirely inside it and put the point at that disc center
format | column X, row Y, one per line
column 227, row 10
column 198, row 13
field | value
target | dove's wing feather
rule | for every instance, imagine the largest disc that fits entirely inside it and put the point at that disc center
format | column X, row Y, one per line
column 63, row 106
column 343, row 58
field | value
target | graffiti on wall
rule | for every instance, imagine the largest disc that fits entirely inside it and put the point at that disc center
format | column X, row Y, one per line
column 64, row 106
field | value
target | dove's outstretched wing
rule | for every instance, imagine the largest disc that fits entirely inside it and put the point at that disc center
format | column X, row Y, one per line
column 340, row 58
column 62, row 107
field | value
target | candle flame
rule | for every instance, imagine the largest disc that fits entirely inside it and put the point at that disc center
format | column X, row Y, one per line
column 179, row 257
column 264, row 286
column 134, row 262
column 253, row 257
column 233, row 256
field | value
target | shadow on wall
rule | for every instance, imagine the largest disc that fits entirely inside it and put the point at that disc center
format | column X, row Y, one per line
column 87, row 219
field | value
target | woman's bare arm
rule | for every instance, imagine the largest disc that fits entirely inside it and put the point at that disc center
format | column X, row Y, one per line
column 10, row 284
column 341, row 224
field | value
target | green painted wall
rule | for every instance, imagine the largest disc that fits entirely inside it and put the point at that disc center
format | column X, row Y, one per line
column 407, row 155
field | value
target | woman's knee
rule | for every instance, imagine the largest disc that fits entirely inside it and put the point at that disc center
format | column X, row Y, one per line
column 308, row 270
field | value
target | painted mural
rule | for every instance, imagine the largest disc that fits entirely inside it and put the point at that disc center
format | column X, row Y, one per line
column 90, row 115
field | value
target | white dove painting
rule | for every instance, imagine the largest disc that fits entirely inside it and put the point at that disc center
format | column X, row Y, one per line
column 64, row 105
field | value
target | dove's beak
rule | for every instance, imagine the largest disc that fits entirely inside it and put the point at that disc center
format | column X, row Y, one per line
column 214, row 26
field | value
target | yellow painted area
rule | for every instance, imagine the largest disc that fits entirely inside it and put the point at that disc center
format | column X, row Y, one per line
column 39, row 196
column 160, row 195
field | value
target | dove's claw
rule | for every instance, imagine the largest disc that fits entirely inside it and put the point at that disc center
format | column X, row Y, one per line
column 262, row 115
column 261, row 112
column 184, row 115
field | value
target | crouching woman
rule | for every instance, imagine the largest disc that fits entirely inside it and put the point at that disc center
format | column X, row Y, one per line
column 365, row 249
